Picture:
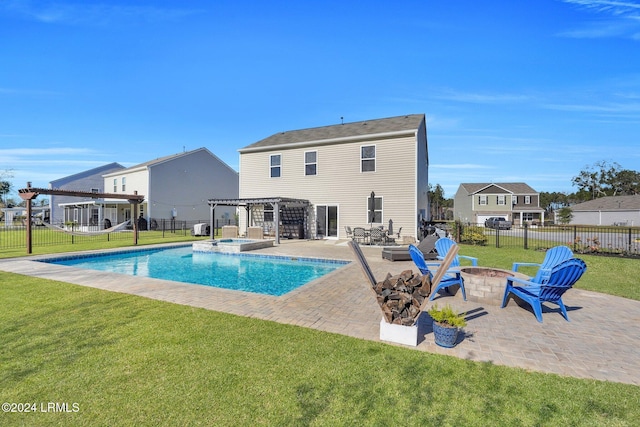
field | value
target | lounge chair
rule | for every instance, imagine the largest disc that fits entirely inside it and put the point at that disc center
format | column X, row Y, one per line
column 444, row 244
column 401, row 253
column 449, row 278
column 553, row 257
column 561, row 278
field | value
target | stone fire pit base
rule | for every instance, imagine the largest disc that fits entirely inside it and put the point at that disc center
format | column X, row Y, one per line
column 486, row 285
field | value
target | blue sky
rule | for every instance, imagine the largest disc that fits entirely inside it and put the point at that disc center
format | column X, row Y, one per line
column 513, row 91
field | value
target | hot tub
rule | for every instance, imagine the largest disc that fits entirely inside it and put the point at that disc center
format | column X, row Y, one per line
column 231, row 245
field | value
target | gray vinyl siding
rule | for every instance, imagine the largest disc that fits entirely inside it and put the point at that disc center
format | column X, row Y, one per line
column 84, row 181
column 187, row 182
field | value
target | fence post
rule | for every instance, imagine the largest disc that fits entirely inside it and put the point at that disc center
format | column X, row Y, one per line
column 575, row 236
column 629, row 245
column 526, row 235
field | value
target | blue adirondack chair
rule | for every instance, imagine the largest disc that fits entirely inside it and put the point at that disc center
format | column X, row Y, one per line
column 443, row 245
column 561, row 278
column 452, row 277
column 553, row 257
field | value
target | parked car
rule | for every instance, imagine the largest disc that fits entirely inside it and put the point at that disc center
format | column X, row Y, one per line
column 497, row 223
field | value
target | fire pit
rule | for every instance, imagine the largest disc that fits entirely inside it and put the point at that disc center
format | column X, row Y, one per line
column 486, row 285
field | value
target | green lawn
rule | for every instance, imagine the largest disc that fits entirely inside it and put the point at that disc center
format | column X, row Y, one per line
column 127, row 360
column 611, row 275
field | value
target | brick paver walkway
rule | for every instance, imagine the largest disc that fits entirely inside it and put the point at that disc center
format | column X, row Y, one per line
column 593, row 345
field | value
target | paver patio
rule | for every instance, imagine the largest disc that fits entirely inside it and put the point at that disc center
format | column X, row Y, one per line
column 592, row 345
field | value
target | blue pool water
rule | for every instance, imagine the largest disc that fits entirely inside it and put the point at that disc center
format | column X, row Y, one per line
column 271, row 275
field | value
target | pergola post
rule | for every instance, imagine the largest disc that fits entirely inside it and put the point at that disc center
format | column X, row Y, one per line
column 29, row 194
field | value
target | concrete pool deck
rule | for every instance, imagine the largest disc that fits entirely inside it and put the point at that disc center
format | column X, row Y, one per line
column 593, row 345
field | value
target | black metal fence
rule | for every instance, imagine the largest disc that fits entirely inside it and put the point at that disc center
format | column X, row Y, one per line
column 14, row 236
column 581, row 239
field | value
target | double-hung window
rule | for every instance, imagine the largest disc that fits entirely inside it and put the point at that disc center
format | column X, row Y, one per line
column 275, row 163
column 527, row 200
column 502, row 200
column 115, row 185
column 482, row 200
column 311, row 163
column 124, row 184
column 368, row 158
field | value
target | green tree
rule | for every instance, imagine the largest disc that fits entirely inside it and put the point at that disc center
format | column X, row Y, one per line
column 437, row 202
column 565, row 215
column 606, row 179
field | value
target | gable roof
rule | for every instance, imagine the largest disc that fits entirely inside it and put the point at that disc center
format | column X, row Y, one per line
column 170, row 157
column 610, row 203
column 95, row 171
column 508, row 187
column 391, row 126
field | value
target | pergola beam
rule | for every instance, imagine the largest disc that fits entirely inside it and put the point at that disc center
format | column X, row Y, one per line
column 29, row 193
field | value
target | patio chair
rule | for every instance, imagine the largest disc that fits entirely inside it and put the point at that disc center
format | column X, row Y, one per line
column 451, row 277
column 349, row 232
column 561, row 278
column 444, row 244
column 377, row 236
column 359, row 235
column 553, row 257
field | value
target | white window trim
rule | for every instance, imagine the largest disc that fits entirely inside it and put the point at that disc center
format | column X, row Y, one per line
column 527, row 200
column 271, row 166
column 375, row 158
column 310, row 163
column 502, row 200
column 483, row 200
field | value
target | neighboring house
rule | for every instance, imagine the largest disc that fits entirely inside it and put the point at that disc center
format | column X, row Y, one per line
column 175, row 187
column 90, row 180
column 516, row 202
column 611, row 210
column 336, row 169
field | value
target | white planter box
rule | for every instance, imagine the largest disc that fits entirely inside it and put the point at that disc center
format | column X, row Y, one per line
column 407, row 335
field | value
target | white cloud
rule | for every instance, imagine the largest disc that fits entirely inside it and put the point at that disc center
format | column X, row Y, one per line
column 99, row 14
column 625, row 19
column 481, row 98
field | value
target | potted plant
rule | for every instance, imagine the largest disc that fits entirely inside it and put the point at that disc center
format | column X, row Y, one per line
column 446, row 324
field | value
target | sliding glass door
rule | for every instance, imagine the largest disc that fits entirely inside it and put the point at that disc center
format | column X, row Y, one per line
column 327, row 221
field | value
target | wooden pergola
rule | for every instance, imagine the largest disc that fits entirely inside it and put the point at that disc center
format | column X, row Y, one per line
column 277, row 203
column 30, row 193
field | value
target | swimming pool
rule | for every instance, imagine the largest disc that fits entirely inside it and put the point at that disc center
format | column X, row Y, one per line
column 265, row 274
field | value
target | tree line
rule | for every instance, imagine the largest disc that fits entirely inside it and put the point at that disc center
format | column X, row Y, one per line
column 598, row 180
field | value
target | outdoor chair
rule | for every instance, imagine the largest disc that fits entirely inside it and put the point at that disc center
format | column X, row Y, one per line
column 349, row 232
column 444, row 244
column 377, row 236
column 561, row 278
column 450, row 278
column 553, row 257
column 359, row 234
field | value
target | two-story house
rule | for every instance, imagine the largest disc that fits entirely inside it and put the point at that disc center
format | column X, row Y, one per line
column 517, row 202
column 176, row 187
column 74, row 209
column 338, row 169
